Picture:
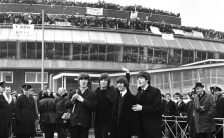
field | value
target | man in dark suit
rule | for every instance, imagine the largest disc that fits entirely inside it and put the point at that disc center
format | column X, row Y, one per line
column 127, row 120
column 25, row 112
column 81, row 105
column 170, row 108
column 149, row 107
column 6, row 104
column 181, row 106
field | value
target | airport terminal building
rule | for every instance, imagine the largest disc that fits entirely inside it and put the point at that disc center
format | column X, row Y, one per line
column 70, row 50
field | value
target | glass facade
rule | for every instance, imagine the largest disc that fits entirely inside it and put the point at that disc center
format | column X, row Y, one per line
column 101, row 52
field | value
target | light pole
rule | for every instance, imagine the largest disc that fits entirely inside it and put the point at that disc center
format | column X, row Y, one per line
column 42, row 63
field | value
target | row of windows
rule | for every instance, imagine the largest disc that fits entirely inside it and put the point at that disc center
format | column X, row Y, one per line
column 30, row 77
column 100, row 52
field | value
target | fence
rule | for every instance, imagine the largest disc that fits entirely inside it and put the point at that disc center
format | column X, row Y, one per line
column 177, row 127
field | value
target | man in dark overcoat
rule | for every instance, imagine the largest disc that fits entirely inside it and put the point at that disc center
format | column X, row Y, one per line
column 82, row 103
column 149, row 107
column 61, row 124
column 25, row 112
column 126, row 119
column 48, row 114
column 6, row 105
column 106, row 103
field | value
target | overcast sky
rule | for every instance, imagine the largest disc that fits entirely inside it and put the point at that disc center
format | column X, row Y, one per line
column 206, row 14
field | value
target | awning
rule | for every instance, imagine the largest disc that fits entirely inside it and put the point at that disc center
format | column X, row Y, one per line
column 76, row 36
column 158, row 41
column 58, row 36
column 49, row 35
column 84, row 37
column 129, row 39
column 219, row 46
column 4, row 34
column 39, row 35
column 197, row 45
column 209, row 46
column 143, row 40
column 173, row 44
column 97, row 37
column 67, row 36
column 117, row 38
column 109, row 38
column 12, row 36
column 185, row 44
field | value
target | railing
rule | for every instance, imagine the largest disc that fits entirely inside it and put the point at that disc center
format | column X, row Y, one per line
column 177, row 127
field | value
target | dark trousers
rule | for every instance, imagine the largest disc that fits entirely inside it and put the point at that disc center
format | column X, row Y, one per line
column 49, row 130
column 3, row 136
column 62, row 132
column 24, row 135
column 79, row 132
column 205, row 135
column 102, row 132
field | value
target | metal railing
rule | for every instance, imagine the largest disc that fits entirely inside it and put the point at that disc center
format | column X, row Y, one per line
column 177, row 127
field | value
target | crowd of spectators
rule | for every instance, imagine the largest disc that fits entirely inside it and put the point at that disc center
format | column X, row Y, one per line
column 99, row 4
column 83, row 21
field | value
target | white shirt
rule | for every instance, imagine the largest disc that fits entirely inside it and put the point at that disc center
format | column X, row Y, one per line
column 123, row 93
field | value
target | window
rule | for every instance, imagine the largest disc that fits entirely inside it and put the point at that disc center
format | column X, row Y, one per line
column 102, row 52
column 12, row 49
column 3, row 49
column 23, row 50
column 94, row 52
column 31, row 48
column 6, row 76
column 111, row 53
column 188, row 56
column 59, row 51
column 35, row 77
column 49, row 50
column 67, row 48
column 76, row 51
column 39, row 50
column 85, row 52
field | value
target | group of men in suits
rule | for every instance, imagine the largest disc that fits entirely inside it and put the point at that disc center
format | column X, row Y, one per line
column 118, row 113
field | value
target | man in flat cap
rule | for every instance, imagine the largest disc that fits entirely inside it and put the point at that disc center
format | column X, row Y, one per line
column 25, row 112
column 203, row 112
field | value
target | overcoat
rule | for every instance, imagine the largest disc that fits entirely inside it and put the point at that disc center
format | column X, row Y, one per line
column 81, row 112
column 128, row 120
column 5, row 116
column 151, row 114
column 204, row 120
column 25, row 112
column 47, row 111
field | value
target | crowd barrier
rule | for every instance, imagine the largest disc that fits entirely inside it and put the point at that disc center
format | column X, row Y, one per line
column 177, row 127
column 172, row 127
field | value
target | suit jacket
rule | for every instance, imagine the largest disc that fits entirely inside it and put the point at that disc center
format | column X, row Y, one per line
column 181, row 108
column 151, row 114
column 128, row 121
column 170, row 108
column 5, row 116
column 25, row 112
column 82, row 114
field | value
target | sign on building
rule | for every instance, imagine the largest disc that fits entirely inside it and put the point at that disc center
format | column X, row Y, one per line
column 94, row 11
column 23, row 29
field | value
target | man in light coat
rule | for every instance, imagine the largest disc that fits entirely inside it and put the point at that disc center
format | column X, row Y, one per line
column 203, row 112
